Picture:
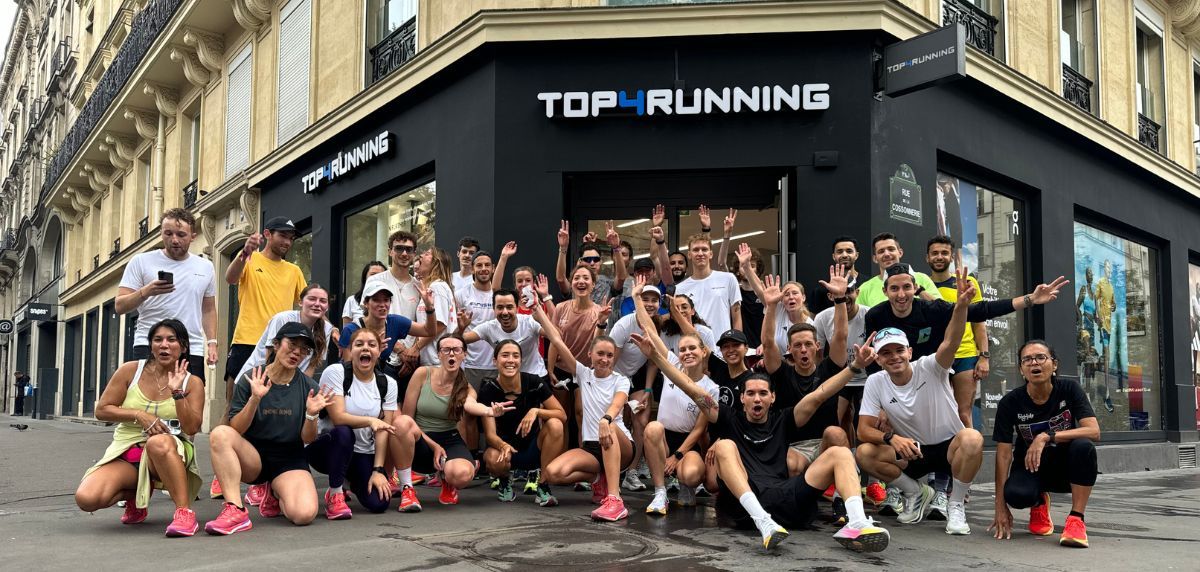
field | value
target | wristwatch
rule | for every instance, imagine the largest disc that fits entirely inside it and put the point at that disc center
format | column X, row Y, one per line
column 856, row 370
column 841, row 300
column 311, row 417
column 380, row 470
column 887, row 437
column 678, row 455
column 985, row 354
column 607, row 418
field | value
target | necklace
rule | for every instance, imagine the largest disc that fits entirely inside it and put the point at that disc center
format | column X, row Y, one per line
column 154, row 380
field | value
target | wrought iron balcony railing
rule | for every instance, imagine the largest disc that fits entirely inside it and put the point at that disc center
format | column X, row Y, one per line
column 1148, row 132
column 980, row 26
column 143, row 227
column 190, row 195
column 1077, row 89
column 116, row 248
column 394, row 51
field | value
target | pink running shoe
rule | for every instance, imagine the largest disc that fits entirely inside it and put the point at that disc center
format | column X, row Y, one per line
column 232, row 519
column 133, row 515
column 335, row 506
column 255, row 494
column 449, row 494
column 184, row 523
column 612, row 510
column 269, row 507
column 600, row 489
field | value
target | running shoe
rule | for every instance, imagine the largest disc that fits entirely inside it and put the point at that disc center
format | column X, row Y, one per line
column 431, row 481
column 254, row 494
column 1074, row 533
column 672, row 484
column 531, row 481
column 519, row 475
column 232, row 519
column 133, row 514
column 408, row 500
column 269, row 508
column 839, row 510
column 658, row 505
column 875, row 493
column 868, row 538
column 394, row 482
column 772, row 533
column 417, row 478
column 544, row 498
column 915, row 507
column 643, row 470
column 829, row 492
column 184, row 523
column 956, row 520
column 449, row 494
column 506, row 493
column 938, row 508
column 600, row 488
column 632, row 482
column 702, row 492
column 611, row 510
column 336, row 507
column 893, row 502
column 583, row 487
column 1039, row 518
column 495, row 484
column 214, row 490
column 686, row 497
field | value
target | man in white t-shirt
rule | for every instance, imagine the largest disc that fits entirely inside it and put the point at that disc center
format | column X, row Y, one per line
column 468, row 247
column 402, row 247
column 716, row 294
column 173, row 283
column 509, row 325
column 476, row 299
column 851, row 395
column 926, row 432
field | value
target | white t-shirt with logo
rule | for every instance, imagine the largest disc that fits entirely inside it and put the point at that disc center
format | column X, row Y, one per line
column 676, row 410
column 445, row 311
column 362, row 401
column 823, row 322
column 527, row 334
column 479, row 303
column 713, row 297
column 922, row 409
column 194, row 279
column 631, row 358
column 597, row 396
column 259, row 356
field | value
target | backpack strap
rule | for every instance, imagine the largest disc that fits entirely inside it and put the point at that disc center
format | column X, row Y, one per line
column 347, row 378
column 382, row 384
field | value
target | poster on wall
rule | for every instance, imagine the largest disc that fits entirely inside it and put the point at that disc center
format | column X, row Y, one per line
column 957, row 218
column 1194, row 312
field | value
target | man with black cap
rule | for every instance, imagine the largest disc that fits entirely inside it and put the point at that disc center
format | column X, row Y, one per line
column 729, row 369
column 267, row 285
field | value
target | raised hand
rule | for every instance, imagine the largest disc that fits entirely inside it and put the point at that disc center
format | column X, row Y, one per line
column 425, row 293
column 510, row 248
column 639, row 284
column 605, row 310
column 318, row 400
column 657, row 233
column 744, row 254
column 705, row 218
column 966, row 288
column 260, row 384
column 464, row 315
column 611, row 236
column 590, row 237
column 564, row 234
column 772, row 292
column 542, row 286
column 658, row 216
column 643, row 343
column 1048, row 292
column 176, row 378
column 864, row 355
column 252, row 243
column 730, row 219
column 837, row 284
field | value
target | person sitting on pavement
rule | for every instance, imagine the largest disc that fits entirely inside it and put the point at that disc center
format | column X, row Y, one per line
column 352, row 444
column 426, row 436
column 272, row 417
column 928, row 434
column 1050, row 425
column 157, row 405
column 751, row 457
column 530, row 436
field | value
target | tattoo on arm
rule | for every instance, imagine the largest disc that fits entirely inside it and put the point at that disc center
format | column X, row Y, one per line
column 706, row 402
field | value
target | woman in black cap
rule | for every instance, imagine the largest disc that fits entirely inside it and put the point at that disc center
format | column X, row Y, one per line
column 272, row 417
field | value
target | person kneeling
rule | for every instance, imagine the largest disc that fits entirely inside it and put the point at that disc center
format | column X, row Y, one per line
column 272, row 417
column 1051, row 425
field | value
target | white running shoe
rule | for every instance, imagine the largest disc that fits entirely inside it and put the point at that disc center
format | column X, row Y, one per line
column 937, row 508
column 632, row 482
column 893, row 503
column 915, row 507
column 956, row 520
column 658, row 505
column 772, row 533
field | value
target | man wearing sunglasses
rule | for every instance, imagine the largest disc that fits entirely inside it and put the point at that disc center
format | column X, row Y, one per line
column 402, row 247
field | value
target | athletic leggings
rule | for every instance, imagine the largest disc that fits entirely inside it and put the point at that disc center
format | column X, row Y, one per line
column 333, row 454
column 1072, row 463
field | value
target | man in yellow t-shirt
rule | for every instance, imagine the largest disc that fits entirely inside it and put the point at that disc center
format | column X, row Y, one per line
column 971, row 361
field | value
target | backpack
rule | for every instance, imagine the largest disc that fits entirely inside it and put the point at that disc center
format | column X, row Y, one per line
column 348, row 382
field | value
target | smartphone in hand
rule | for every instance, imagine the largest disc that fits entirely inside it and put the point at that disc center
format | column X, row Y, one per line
column 167, row 277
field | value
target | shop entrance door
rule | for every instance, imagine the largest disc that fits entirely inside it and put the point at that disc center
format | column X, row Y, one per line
column 628, row 199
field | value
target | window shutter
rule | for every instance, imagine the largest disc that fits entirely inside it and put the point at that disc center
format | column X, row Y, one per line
column 295, row 31
column 237, row 114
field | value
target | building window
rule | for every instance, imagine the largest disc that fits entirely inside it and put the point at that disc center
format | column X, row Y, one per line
column 392, row 26
column 295, row 37
column 1151, row 104
column 301, row 252
column 1194, row 311
column 1077, row 42
column 1117, row 341
column 367, row 230
column 194, row 149
column 237, row 114
column 995, row 254
column 983, row 21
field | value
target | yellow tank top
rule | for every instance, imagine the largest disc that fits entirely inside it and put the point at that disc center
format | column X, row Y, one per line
column 135, row 399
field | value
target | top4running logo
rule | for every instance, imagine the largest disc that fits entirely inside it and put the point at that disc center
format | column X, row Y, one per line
column 698, row 101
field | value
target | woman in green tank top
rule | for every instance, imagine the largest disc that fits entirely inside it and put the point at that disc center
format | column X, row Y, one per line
column 157, row 406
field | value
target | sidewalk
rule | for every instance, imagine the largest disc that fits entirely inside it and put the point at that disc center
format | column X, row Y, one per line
column 1135, row 520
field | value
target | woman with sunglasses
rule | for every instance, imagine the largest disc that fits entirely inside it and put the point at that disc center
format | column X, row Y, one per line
column 272, row 417
column 1050, row 425
column 426, row 437
column 531, row 435
column 157, row 406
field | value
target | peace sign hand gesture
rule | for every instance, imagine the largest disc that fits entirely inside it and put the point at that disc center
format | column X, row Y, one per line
column 564, row 234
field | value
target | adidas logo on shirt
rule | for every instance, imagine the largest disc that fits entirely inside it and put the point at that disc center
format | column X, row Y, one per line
column 893, row 400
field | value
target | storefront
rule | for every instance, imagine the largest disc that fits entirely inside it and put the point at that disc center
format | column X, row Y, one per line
column 516, row 137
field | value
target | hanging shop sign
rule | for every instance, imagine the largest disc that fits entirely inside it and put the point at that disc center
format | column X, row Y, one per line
column 38, row 312
column 698, row 101
column 347, row 162
column 925, row 61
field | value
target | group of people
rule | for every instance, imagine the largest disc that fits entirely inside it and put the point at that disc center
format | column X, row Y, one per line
column 712, row 374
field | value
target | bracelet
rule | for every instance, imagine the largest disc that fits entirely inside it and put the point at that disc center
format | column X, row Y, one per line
column 856, row 370
column 648, row 389
column 178, row 394
column 1028, row 301
column 379, row 469
column 310, row 417
column 660, row 242
column 706, row 229
column 431, row 311
column 607, row 418
column 211, row 342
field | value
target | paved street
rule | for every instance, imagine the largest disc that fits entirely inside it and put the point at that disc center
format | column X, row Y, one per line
column 1143, row 518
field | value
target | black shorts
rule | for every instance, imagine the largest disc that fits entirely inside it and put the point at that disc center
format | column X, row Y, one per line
column 277, row 460
column 528, row 455
column 675, row 440
column 933, row 460
column 238, row 354
column 594, row 448
column 450, row 440
column 792, row 503
column 195, row 363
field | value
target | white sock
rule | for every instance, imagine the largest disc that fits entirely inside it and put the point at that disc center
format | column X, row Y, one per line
column 907, row 485
column 660, row 491
column 755, row 510
column 959, row 493
column 406, row 477
column 335, row 490
column 854, row 512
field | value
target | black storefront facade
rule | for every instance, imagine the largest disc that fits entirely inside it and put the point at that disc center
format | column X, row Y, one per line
column 471, row 151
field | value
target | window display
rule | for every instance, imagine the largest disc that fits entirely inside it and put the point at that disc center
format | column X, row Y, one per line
column 1194, row 312
column 367, row 230
column 1117, row 341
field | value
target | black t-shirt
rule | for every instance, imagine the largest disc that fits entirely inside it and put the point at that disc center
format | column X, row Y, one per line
column 533, row 393
column 729, row 388
column 763, row 446
column 1019, row 419
column 791, row 387
column 926, row 325
column 279, row 418
column 752, row 317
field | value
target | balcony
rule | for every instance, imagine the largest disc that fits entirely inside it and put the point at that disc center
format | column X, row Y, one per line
column 22, row 93
column 143, row 227
column 190, row 195
column 980, row 26
column 394, row 51
column 9, row 241
column 116, row 248
column 1077, row 89
column 60, row 64
column 147, row 26
column 1148, row 132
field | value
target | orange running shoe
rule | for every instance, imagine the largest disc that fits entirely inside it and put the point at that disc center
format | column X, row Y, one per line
column 1074, row 533
column 1039, row 518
